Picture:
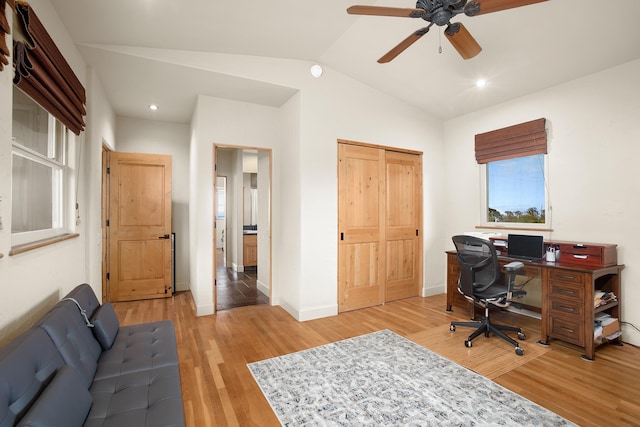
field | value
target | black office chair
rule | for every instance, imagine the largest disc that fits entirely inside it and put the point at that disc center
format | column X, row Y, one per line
column 482, row 282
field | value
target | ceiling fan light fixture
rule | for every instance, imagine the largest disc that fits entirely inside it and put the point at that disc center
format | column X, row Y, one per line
column 316, row 70
column 153, row 107
column 480, row 83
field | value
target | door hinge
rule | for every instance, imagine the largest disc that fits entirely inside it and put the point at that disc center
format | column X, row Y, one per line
column 108, row 171
column 416, row 232
column 108, row 276
column 107, row 223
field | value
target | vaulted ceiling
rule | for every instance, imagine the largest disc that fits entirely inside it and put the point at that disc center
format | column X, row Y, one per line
column 525, row 50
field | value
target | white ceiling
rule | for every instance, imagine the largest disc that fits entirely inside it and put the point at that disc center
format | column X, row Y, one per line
column 525, row 50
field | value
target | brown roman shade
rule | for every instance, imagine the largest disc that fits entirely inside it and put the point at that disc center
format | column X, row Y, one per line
column 525, row 139
column 42, row 72
column 4, row 30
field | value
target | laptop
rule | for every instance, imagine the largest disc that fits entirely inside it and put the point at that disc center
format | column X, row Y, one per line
column 525, row 247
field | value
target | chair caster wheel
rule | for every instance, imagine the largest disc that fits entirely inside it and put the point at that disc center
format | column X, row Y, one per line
column 519, row 351
column 468, row 344
column 452, row 328
column 521, row 336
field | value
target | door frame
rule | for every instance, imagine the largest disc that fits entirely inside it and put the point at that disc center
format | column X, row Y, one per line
column 105, row 231
column 269, row 151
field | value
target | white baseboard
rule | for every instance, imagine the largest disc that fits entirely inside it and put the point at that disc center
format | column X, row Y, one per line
column 312, row 313
column 262, row 287
column 433, row 290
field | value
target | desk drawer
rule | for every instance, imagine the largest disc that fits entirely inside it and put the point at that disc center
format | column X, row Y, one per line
column 567, row 329
column 596, row 255
column 567, row 290
column 566, row 275
column 566, row 307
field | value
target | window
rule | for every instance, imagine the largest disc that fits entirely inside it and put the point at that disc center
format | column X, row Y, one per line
column 40, row 176
column 512, row 162
column 515, row 190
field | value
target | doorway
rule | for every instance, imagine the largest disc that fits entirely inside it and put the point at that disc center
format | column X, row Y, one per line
column 242, row 226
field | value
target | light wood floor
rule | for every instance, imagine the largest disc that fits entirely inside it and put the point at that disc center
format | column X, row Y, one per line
column 218, row 389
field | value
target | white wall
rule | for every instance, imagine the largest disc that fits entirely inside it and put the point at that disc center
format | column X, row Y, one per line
column 263, row 281
column 593, row 136
column 153, row 137
column 33, row 281
column 219, row 121
column 338, row 107
column 101, row 122
column 303, row 135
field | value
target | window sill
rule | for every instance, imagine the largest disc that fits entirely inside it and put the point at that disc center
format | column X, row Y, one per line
column 515, row 228
column 41, row 243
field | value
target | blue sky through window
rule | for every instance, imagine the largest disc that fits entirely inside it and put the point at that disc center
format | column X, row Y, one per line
column 516, row 184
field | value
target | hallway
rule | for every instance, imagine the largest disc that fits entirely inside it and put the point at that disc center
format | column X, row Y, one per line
column 235, row 289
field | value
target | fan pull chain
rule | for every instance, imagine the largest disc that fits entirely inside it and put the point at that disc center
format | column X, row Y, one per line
column 439, row 41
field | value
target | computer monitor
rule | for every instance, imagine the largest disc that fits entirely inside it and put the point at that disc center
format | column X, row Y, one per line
column 530, row 248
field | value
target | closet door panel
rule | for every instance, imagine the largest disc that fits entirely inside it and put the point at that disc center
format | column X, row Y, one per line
column 403, row 180
column 361, row 227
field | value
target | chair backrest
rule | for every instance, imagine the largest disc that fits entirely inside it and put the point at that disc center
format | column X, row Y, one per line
column 478, row 260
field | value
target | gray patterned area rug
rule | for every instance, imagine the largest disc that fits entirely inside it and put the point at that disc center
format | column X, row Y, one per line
column 383, row 379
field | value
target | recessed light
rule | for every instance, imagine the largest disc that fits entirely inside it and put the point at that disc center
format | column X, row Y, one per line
column 316, row 70
column 481, row 83
column 153, row 107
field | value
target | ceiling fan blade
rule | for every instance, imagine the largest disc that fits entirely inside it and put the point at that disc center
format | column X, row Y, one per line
column 462, row 40
column 403, row 45
column 386, row 11
column 488, row 6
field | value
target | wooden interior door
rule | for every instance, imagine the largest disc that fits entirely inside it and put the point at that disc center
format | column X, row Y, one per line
column 403, row 179
column 139, row 226
column 361, row 251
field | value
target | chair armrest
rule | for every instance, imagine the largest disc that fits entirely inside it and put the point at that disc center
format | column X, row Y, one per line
column 514, row 266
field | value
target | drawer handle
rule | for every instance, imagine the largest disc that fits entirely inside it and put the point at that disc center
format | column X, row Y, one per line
column 565, row 277
column 567, row 329
column 581, row 256
column 566, row 292
column 565, row 308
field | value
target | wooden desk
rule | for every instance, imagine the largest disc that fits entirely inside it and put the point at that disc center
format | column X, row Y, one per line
column 567, row 297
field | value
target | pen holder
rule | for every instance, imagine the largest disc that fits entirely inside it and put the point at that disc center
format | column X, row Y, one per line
column 551, row 254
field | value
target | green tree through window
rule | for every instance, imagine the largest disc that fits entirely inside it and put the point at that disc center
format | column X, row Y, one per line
column 516, row 190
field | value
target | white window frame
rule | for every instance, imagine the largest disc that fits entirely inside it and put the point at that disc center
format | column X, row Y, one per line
column 61, row 186
column 513, row 225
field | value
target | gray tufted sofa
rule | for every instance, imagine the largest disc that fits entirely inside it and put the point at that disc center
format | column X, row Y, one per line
column 78, row 367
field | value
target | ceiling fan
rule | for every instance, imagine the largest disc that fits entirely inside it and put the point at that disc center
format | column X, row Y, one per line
column 440, row 13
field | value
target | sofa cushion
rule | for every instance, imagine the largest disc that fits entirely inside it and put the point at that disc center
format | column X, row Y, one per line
column 65, row 402
column 27, row 364
column 105, row 325
column 139, row 347
column 150, row 398
column 73, row 339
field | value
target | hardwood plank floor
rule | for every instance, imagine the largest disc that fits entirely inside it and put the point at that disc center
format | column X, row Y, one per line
column 218, row 389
